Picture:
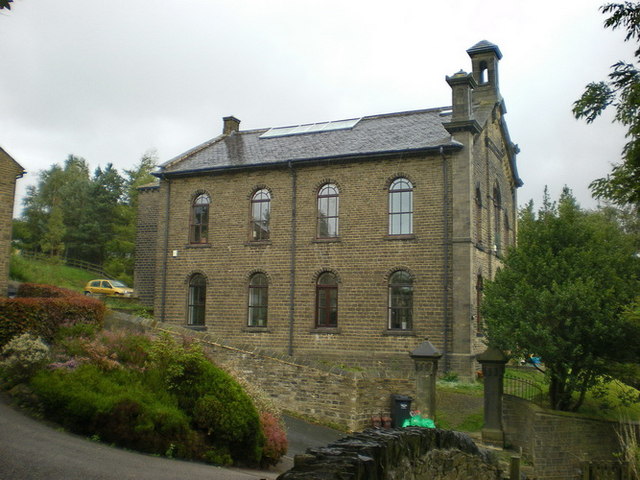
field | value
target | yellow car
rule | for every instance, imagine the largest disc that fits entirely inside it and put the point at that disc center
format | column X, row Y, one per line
column 109, row 288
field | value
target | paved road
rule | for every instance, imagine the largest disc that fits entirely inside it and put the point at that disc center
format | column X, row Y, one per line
column 30, row 450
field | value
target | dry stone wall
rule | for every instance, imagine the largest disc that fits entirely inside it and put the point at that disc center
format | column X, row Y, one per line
column 412, row 453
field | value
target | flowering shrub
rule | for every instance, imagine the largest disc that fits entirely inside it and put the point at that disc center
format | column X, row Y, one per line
column 276, row 443
column 22, row 356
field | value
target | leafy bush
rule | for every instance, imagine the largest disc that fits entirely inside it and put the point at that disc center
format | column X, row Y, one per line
column 276, row 443
column 43, row 316
column 116, row 406
column 157, row 396
column 22, row 357
column 44, row 291
column 217, row 403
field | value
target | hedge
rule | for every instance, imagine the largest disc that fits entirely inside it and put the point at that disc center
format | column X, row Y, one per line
column 42, row 309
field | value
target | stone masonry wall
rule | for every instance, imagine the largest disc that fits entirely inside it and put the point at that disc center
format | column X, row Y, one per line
column 362, row 258
column 401, row 454
column 9, row 170
column 556, row 444
column 302, row 386
column 146, row 245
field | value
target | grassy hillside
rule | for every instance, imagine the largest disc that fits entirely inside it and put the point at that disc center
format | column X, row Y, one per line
column 36, row 271
column 51, row 273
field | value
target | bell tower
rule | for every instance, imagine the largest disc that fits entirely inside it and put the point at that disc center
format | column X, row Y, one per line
column 484, row 60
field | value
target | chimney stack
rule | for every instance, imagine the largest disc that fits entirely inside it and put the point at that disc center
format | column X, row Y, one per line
column 461, row 83
column 230, row 125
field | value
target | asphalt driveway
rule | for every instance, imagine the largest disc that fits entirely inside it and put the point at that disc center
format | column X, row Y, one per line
column 31, row 450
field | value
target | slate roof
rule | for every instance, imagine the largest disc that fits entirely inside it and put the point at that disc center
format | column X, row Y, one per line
column 404, row 132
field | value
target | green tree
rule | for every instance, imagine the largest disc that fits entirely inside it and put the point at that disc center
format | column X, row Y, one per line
column 561, row 294
column 622, row 91
column 51, row 241
column 121, row 247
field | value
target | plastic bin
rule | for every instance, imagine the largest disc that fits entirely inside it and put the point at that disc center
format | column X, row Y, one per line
column 400, row 409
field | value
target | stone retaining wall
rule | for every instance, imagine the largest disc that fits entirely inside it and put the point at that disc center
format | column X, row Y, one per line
column 325, row 393
column 557, row 443
column 401, row 454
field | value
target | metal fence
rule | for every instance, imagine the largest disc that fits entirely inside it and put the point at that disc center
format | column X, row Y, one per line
column 522, row 388
column 71, row 262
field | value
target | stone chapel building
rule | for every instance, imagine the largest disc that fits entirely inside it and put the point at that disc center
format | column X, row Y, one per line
column 348, row 241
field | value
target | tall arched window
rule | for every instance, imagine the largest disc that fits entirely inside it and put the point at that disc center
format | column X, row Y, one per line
column 258, row 300
column 479, row 290
column 327, row 300
column 260, row 214
column 401, row 207
column 478, row 215
column 400, row 301
column 199, row 228
column 328, row 198
column 197, row 299
column 497, row 220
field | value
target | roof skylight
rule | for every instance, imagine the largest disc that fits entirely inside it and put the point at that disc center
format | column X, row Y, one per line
column 310, row 128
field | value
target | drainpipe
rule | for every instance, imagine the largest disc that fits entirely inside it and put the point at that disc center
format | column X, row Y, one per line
column 166, row 251
column 292, row 252
column 446, row 250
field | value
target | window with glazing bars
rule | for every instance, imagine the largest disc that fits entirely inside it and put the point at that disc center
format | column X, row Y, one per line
column 400, row 301
column 328, row 203
column 260, row 214
column 258, row 300
column 327, row 300
column 197, row 300
column 199, row 228
column 401, row 207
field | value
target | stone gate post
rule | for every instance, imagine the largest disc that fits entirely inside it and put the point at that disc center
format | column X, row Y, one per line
column 426, row 358
column 493, row 363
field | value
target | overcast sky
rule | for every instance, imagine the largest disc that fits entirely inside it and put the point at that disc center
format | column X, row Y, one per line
column 108, row 80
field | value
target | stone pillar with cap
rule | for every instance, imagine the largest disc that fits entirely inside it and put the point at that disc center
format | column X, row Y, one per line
column 426, row 357
column 493, row 363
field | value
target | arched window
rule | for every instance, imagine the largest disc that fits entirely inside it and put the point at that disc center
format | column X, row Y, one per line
column 199, row 228
column 479, row 289
column 258, row 300
column 497, row 220
column 400, row 301
column 478, row 215
column 260, row 214
column 484, row 74
column 328, row 198
column 197, row 299
column 401, row 207
column 327, row 300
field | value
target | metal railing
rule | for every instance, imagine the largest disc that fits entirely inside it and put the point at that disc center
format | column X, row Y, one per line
column 522, row 388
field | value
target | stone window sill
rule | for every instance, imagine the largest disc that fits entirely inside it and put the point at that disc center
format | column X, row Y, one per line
column 399, row 333
column 327, row 240
column 326, row 330
column 197, row 328
column 410, row 236
column 198, row 245
column 257, row 243
column 249, row 329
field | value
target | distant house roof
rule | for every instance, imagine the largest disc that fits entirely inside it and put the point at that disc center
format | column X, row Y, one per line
column 405, row 132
